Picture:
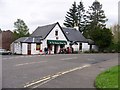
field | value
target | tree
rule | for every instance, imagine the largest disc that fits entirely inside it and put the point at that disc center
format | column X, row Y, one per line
column 71, row 18
column 21, row 29
column 96, row 15
column 102, row 37
column 116, row 32
column 81, row 19
column 116, row 40
column 96, row 18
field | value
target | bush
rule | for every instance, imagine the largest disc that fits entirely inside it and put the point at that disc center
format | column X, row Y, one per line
column 114, row 47
column 86, row 51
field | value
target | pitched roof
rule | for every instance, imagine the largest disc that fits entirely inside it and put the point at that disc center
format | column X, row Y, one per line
column 43, row 31
column 74, row 35
column 21, row 39
column 71, row 34
column 28, row 40
column 90, row 41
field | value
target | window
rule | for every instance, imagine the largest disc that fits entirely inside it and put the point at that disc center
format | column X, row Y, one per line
column 56, row 33
column 37, row 46
column 57, row 38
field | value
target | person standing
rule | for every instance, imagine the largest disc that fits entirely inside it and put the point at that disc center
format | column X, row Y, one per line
column 45, row 50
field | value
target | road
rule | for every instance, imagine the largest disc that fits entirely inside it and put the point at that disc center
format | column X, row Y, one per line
column 48, row 71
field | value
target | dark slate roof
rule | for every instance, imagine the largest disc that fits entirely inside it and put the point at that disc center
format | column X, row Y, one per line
column 74, row 35
column 21, row 39
column 43, row 31
column 90, row 41
column 28, row 40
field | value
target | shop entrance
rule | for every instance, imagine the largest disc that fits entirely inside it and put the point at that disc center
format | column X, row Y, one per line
column 55, row 49
column 29, row 49
column 55, row 45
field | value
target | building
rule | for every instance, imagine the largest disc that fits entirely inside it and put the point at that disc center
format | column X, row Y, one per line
column 55, row 38
column 6, row 39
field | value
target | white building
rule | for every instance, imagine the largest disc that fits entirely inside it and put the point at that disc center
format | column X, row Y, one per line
column 55, row 38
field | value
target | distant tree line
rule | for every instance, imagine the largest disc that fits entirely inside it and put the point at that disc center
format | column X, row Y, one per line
column 91, row 22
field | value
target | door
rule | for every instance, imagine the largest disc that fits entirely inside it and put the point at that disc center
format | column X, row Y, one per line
column 55, row 49
column 29, row 49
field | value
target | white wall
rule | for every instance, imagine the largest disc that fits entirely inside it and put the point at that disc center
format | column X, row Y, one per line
column 67, row 44
column 85, row 47
column 76, row 47
column 52, row 36
column 94, row 47
column 33, row 49
column 17, row 48
column 44, row 44
column 24, row 48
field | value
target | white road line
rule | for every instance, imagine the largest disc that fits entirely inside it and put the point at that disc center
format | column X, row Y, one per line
column 43, row 83
column 69, row 58
column 48, row 78
column 29, row 63
column 90, row 59
column 15, row 57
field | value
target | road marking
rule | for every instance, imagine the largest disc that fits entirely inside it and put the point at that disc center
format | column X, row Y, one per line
column 91, row 59
column 48, row 78
column 69, row 58
column 26, row 56
column 29, row 63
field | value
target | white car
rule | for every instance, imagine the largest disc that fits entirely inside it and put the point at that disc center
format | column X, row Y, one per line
column 5, row 52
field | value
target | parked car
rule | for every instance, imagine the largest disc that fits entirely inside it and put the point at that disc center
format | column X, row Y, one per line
column 5, row 52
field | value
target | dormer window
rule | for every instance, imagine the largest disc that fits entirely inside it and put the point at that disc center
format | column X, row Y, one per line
column 56, row 33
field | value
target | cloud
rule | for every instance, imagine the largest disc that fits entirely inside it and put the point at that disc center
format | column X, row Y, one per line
column 41, row 12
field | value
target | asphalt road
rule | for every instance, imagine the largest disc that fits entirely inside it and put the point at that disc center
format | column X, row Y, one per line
column 48, row 71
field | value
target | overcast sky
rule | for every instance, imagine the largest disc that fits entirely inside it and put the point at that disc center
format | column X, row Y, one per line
column 41, row 12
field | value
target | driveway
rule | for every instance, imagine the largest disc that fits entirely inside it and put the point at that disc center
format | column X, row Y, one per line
column 54, row 71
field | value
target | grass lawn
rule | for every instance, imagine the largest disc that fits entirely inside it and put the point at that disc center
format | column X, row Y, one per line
column 108, row 79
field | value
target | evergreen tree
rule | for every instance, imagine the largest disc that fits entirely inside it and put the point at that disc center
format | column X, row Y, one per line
column 71, row 18
column 95, row 18
column 81, row 16
column 21, row 29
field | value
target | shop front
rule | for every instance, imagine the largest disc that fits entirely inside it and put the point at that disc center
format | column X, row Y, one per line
column 54, row 46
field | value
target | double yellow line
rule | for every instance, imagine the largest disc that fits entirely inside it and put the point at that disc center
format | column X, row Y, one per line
column 43, row 80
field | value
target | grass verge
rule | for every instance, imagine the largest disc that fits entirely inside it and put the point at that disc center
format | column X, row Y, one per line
column 108, row 79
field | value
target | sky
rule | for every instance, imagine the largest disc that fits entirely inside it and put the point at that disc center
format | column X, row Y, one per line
column 42, row 12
